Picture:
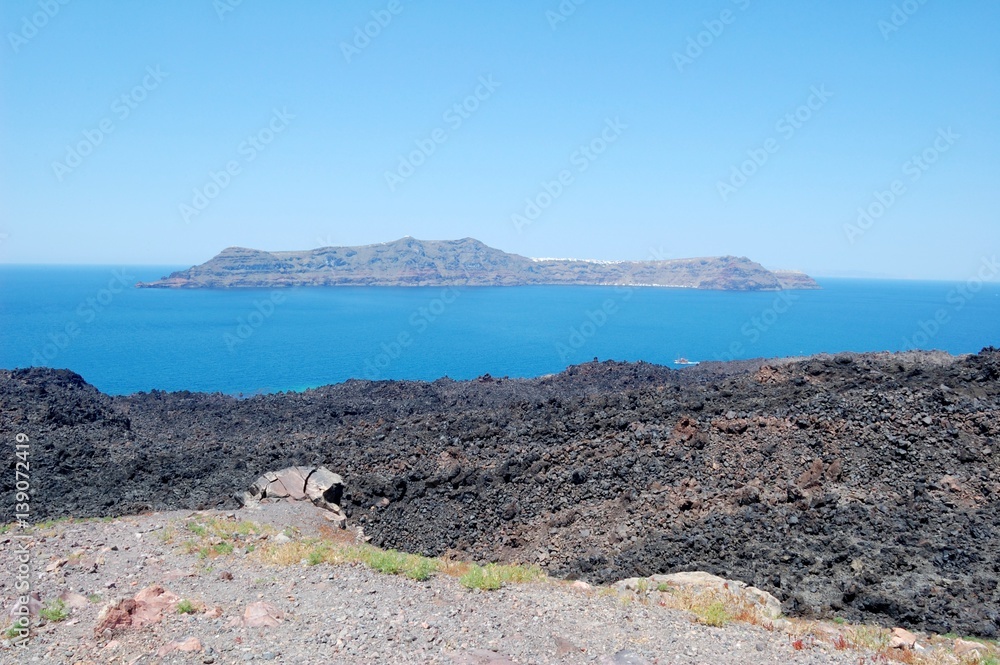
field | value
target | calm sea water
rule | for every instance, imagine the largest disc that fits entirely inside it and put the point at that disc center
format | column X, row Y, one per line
column 123, row 339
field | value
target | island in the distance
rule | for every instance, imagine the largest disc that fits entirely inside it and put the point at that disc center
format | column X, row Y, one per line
column 466, row 262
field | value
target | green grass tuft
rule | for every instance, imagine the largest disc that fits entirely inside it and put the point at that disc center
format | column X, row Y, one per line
column 713, row 614
column 54, row 611
column 316, row 557
column 389, row 562
column 14, row 632
column 421, row 569
column 493, row 576
column 223, row 548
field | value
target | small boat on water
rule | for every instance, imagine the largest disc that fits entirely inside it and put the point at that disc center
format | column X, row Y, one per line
column 685, row 361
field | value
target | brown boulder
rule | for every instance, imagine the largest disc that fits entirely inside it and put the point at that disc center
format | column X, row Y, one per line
column 262, row 615
column 968, row 646
column 902, row 639
column 812, row 476
column 145, row 608
column 187, row 645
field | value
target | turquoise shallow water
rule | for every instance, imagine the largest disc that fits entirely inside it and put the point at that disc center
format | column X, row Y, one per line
column 122, row 339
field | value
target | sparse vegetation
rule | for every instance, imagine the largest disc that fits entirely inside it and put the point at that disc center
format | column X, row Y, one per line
column 713, row 614
column 55, row 611
column 13, row 632
column 493, row 576
column 186, row 607
column 711, row 607
column 313, row 552
column 479, row 577
column 223, row 548
column 389, row 562
column 421, row 570
column 867, row 637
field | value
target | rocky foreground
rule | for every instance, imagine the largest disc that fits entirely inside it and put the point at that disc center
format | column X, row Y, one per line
column 246, row 586
column 856, row 486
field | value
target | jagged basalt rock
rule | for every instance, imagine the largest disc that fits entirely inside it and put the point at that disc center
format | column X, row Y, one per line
column 868, row 490
column 319, row 485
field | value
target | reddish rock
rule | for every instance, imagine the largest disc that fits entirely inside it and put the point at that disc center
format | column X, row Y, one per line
column 564, row 646
column 968, row 646
column 145, row 608
column 262, row 615
column 902, row 639
column 151, row 603
column 812, row 476
column 74, row 601
column 115, row 617
column 187, row 645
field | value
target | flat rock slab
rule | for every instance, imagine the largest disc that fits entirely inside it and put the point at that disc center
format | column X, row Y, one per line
column 766, row 605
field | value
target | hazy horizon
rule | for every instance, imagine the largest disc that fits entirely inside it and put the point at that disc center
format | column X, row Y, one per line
column 835, row 140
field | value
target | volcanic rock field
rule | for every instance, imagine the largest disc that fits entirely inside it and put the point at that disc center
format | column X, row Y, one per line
column 863, row 486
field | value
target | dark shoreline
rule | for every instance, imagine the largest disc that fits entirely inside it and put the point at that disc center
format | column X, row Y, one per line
column 855, row 485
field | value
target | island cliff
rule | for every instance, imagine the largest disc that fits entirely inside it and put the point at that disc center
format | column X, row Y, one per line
column 465, row 262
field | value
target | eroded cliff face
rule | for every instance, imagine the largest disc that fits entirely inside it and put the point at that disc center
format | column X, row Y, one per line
column 864, row 486
column 466, row 262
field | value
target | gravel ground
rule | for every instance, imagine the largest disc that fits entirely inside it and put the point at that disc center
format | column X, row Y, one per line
column 346, row 613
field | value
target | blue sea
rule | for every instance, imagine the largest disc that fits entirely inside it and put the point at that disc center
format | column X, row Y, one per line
column 123, row 340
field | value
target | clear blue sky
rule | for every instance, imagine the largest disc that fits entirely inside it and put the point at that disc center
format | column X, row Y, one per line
column 683, row 126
